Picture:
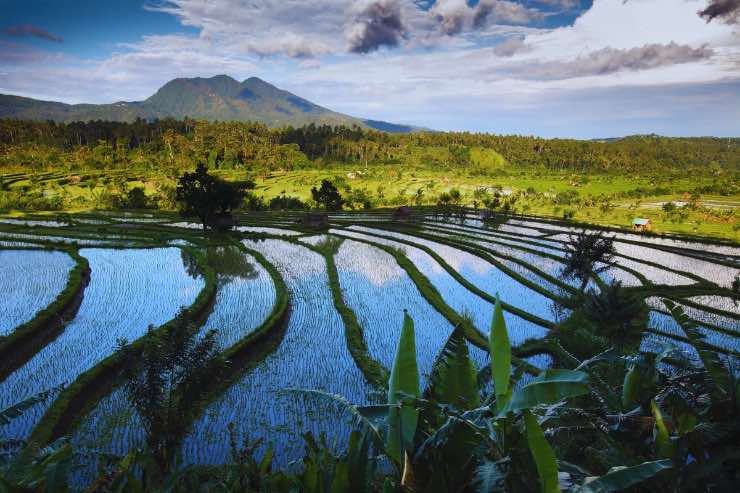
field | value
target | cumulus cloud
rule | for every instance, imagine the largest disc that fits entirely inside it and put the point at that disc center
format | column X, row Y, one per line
column 610, row 60
column 455, row 16
column 25, row 30
column 504, row 12
column 725, row 10
column 510, row 47
column 377, row 23
column 452, row 15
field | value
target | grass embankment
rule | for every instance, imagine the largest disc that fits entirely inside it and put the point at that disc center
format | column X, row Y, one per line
column 249, row 351
column 375, row 373
column 430, row 293
column 390, row 185
column 27, row 339
column 86, row 391
column 467, row 284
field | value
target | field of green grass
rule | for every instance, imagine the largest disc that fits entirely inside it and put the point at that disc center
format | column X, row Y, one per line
column 388, row 186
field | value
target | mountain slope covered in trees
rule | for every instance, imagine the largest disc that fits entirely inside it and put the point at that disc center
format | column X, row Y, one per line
column 217, row 98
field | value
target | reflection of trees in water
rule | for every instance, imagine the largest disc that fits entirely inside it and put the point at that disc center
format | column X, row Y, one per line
column 190, row 263
column 229, row 262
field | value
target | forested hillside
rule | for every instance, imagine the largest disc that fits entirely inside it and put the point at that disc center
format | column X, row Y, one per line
column 253, row 145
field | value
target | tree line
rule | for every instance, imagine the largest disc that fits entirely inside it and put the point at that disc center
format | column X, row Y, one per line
column 247, row 144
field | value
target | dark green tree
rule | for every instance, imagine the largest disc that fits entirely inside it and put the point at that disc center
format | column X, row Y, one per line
column 136, row 199
column 205, row 196
column 584, row 252
column 327, row 196
column 617, row 315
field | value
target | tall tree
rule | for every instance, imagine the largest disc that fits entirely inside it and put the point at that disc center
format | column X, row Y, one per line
column 204, row 195
column 327, row 196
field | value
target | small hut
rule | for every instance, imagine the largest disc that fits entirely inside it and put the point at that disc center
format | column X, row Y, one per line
column 640, row 224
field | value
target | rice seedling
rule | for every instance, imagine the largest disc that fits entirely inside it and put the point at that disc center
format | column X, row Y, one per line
column 655, row 275
column 724, row 303
column 244, row 299
column 314, row 240
column 32, row 222
column 378, row 290
column 720, row 274
column 67, row 240
column 267, row 230
column 313, row 355
column 16, row 244
column 482, row 274
column 456, row 295
column 616, row 273
column 682, row 244
column 29, row 281
column 655, row 343
column 129, row 290
column 665, row 323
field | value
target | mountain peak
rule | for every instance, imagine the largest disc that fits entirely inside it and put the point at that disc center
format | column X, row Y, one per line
column 220, row 97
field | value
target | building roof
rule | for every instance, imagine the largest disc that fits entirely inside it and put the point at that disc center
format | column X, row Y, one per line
column 639, row 221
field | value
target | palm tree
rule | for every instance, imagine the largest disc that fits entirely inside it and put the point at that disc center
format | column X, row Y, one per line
column 164, row 381
column 617, row 315
column 584, row 252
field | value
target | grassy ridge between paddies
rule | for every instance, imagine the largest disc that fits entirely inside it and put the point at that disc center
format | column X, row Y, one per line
column 27, row 339
column 249, row 351
column 471, row 287
column 430, row 293
column 84, row 393
column 375, row 373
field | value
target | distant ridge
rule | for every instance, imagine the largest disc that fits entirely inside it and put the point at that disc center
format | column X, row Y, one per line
column 219, row 98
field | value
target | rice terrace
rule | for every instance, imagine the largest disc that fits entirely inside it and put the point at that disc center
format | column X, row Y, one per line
column 465, row 246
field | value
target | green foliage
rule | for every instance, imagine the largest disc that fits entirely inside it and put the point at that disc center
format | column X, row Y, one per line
column 327, row 196
column 500, row 350
column 203, row 195
column 664, row 448
column 454, row 377
column 136, row 198
column 544, row 457
column 583, row 252
column 617, row 315
column 620, row 478
column 549, row 387
column 404, row 381
column 164, row 381
column 286, row 203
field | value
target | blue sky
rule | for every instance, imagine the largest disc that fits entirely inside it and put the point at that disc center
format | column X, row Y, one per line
column 567, row 68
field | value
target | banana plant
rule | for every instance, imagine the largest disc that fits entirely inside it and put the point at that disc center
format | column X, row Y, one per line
column 404, row 382
column 456, row 437
column 27, row 467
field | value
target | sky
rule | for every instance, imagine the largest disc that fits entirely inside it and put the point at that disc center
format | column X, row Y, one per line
column 554, row 68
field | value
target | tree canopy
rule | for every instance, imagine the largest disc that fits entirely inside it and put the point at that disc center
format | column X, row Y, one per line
column 207, row 197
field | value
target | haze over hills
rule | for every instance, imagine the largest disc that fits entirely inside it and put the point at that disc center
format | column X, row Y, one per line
column 216, row 98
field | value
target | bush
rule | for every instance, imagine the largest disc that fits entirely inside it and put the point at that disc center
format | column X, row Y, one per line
column 285, row 202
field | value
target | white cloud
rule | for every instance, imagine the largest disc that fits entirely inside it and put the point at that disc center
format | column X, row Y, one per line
column 500, row 68
column 511, row 46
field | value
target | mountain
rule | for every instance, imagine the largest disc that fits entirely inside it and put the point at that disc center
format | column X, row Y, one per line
column 216, row 98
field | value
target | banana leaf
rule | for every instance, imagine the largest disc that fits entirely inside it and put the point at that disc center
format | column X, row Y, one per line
column 621, row 478
column 500, row 348
column 404, row 380
column 544, row 457
column 548, row 387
